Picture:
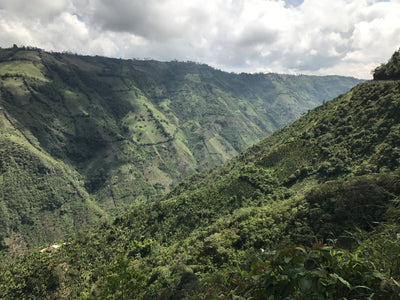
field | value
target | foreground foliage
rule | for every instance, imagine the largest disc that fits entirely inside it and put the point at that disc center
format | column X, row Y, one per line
column 319, row 272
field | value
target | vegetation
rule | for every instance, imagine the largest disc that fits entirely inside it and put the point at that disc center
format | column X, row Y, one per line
column 390, row 70
column 83, row 138
column 310, row 212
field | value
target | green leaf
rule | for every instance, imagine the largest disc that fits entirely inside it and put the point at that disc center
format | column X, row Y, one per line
column 361, row 287
column 338, row 277
column 309, row 264
column 298, row 259
column 301, row 248
column 297, row 272
column 322, row 273
column 377, row 274
column 305, row 284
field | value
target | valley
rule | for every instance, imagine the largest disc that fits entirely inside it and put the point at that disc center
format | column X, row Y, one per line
column 309, row 212
column 84, row 139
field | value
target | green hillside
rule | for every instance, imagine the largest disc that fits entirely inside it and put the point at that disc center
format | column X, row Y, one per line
column 41, row 198
column 310, row 212
column 86, row 137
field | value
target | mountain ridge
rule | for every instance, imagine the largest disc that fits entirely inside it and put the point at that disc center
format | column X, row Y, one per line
column 127, row 131
column 310, row 212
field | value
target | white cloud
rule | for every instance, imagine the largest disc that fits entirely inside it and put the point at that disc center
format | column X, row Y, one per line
column 43, row 10
column 347, row 37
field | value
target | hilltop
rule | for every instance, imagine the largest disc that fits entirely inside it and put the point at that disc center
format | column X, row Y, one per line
column 85, row 138
column 310, row 212
column 390, row 70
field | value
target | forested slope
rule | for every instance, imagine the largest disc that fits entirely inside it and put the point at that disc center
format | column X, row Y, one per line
column 85, row 137
column 42, row 198
column 390, row 70
column 310, row 212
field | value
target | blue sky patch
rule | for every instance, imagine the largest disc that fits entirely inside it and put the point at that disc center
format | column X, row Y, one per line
column 293, row 3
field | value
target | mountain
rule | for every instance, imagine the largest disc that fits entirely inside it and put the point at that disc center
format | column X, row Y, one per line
column 84, row 137
column 310, row 212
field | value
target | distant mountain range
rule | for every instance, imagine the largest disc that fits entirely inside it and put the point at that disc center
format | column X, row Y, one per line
column 84, row 138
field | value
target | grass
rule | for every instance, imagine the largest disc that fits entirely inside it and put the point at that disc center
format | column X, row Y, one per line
column 22, row 68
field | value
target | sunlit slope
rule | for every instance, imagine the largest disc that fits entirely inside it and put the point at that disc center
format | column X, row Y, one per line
column 88, row 137
column 133, row 128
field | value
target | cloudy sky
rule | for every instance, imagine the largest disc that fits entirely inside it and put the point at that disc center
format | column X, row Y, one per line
column 346, row 37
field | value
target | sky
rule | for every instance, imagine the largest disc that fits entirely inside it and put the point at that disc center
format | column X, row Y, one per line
column 322, row 37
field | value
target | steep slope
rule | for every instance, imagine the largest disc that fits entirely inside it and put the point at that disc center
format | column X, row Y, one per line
column 107, row 134
column 42, row 198
column 134, row 128
column 335, row 168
